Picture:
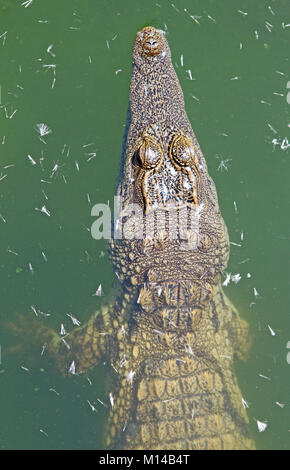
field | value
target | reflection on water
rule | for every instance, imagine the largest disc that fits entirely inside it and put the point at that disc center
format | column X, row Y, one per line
column 63, row 101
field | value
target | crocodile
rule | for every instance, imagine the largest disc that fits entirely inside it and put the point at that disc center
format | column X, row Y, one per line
column 171, row 334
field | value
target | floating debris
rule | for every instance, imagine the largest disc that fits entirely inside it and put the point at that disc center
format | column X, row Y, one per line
column 99, row 291
column 33, row 162
column 44, row 210
column 261, row 426
column 227, row 279
column 111, row 400
column 48, row 50
column 62, row 330
column 27, row 3
column 72, row 368
column 100, row 401
column 256, row 293
column 130, row 376
column 92, row 407
column 3, row 35
column 264, row 377
column 189, row 74
column 74, row 320
column 245, row 403
column 43, row 129
column 244, row 13
column 236, row 278
column 271, row 331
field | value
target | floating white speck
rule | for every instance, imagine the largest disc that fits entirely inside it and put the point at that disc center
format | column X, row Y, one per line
column 244, row 13
column 44, row 210
column 245, row 403
column 100, row 401
column 31, row 268
column 249, row 275
column 48, row 50
column 62, row 330
column 256, row 293
column 211, row 18
column 72, row 368
column 285, row 144
column 123, row 331
column 92, row 407
column 111, row 400
column 65, row 343
column 27, row 3
column 281, row 405
column 41, row 430
column 189, row 74
column 42, row 129
column 4, row 37
column 271, row 331
column 77, row 166
column 24, row 368
column 256, row 35
column 261, row 426
column 11, row 116
column 33, row 162
column 118, row 71
column 99, row 291
column 195, row 18
column 34, row 310
column 130, row 376
column 264, row 377
column 271, row 11
column 235, row 207
column 236, row 278
column 227, row 279
column 272, row 128
column 181, row 60
column 74, row 320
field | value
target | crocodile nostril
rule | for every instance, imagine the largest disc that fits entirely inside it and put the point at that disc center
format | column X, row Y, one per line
column 152, row 45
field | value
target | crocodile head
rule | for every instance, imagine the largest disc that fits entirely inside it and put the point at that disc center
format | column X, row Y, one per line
column 162, row 163
column 172, row 226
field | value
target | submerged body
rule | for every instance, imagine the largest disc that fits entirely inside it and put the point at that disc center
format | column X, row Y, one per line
column 171, row 335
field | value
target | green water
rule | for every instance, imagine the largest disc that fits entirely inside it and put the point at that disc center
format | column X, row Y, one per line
column 67, row 64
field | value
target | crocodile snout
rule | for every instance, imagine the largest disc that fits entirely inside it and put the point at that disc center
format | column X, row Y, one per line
column 151, row 41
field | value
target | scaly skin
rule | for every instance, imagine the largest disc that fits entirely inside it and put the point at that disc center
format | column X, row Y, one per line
column 171, row 335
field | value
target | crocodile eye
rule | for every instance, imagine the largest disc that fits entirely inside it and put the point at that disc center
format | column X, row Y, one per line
column 181, row 150
column 150, row 153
